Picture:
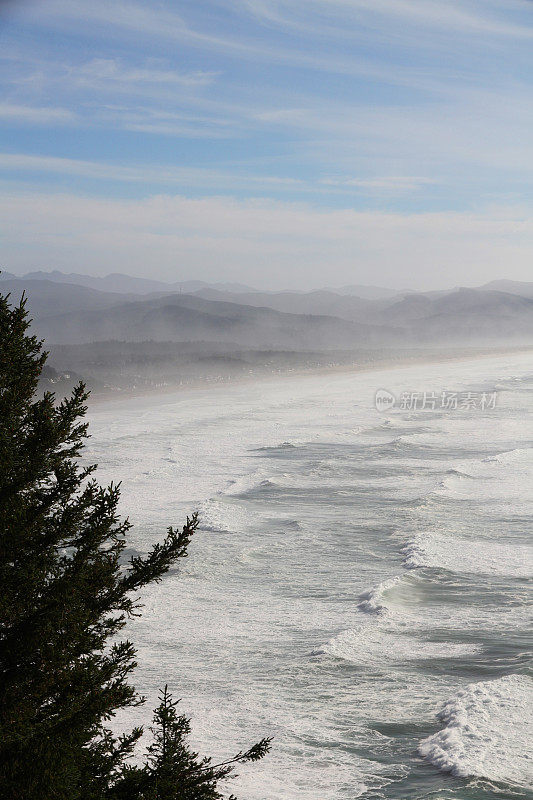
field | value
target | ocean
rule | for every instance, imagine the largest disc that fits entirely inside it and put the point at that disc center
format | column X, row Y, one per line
column 360, row 586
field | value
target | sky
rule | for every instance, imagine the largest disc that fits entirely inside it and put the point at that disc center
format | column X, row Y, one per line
column 278, row 143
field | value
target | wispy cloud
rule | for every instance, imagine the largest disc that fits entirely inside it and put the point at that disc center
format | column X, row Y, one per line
column 229, row 181
column 165, row 122
column 459, row 16
column 142, row 174
column 357, row 104
column 144, row 23
column 288, row 242
column 387, row 183
column 489, row 129
column 37, row 116
column 119, row 75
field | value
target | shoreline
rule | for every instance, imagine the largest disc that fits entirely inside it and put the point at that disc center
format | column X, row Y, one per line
column 114, row 395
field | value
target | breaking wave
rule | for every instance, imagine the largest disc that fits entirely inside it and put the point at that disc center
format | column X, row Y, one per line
column 487, row 734
column 480, row 556
column 373, row 600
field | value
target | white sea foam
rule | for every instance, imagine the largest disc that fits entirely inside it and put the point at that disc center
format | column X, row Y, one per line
column 488, row 732
column 246, row 607
column 520, row 455
column 373, row 645
column 389, row 634
column 223, row 515
column 480, row 556
column 246, row 483
column 373, row 600
column 498, row 480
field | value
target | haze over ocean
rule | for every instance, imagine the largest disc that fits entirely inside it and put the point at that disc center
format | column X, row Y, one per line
column 356, row 574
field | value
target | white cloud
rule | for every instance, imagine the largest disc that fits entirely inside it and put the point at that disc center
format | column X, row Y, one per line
column 269, row 243
column 35, row 116
column 103, row 71
column 388, row 185
column 148, row 173
column 165, row 122
column 142, row 23
column 464, row 138
column 153, row 82
column 456, row 15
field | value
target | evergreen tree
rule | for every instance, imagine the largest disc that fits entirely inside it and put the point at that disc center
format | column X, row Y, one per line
column 64, row 597
column 173, row 771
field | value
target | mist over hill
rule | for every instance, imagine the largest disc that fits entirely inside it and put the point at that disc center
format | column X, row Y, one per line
column 124, row 284
column 460, row 315
column 68, row 314
column 523, row 288
column 149, row 331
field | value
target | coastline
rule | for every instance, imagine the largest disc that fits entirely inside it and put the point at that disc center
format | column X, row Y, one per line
column 362, row 494
column 434, row 357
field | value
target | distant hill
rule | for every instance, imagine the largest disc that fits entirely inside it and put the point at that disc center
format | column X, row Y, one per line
column 45, row 298
column 182, row 317
column 473, row 316
column 523, row 288
column 128, row 284
column 320, row 302
column 68, row 313
column 125, row 284
column 366, row 292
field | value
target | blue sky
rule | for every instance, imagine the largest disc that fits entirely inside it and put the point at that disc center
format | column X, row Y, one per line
column 283, row 143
